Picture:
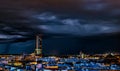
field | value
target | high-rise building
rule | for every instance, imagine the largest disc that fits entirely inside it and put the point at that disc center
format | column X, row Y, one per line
column 38, row 50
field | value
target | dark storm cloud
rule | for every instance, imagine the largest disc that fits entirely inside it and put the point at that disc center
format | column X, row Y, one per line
column 78, row 26
column 25, row 19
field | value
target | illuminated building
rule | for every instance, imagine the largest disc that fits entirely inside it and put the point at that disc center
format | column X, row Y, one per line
column 38, row 50
column 82, row 55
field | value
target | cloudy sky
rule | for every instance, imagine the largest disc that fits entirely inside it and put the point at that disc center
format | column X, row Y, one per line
column 64, row 24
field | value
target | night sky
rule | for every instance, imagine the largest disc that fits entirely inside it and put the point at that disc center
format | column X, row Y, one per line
column 67, row 26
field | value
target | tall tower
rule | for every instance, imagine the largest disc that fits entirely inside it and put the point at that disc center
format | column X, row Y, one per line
column 38, row 50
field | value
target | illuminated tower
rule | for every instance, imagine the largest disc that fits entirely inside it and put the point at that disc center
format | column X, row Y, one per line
column 82, row 55
column 38, row 50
